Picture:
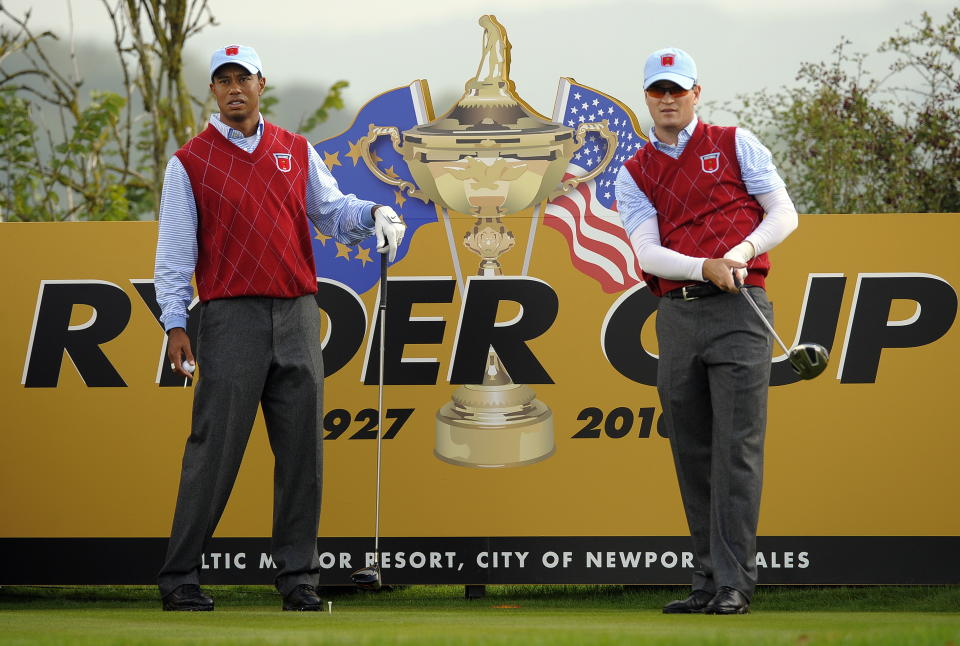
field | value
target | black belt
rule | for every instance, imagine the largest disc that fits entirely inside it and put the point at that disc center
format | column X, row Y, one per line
column 693, row 292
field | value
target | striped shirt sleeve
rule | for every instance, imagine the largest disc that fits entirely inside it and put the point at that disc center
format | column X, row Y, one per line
column 632, row 203
column 757, row 169
column 345, row 217
column 176, row 246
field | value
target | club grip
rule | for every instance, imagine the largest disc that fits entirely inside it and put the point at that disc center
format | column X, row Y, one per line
column 383, row 281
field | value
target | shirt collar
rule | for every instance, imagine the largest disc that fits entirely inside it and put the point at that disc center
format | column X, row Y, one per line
column 233, row 133
column 684, row 135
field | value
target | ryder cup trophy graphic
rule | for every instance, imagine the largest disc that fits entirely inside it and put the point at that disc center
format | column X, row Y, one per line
column 490, row 156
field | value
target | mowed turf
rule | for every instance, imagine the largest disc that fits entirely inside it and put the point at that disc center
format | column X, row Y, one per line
column 561, row 615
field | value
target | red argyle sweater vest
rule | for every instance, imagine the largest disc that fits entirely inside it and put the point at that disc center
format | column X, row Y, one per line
column 253, row 237
column 703, row 206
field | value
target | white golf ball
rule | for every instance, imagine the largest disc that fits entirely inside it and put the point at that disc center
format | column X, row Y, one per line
column 189, row 367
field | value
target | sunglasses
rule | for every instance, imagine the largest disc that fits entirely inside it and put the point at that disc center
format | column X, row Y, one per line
column 660, row 92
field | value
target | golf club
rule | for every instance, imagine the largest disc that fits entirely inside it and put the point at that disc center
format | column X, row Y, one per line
column 368, row 578
column 807, row 359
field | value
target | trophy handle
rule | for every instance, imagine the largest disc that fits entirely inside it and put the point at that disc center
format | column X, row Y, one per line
column 580, row 138
column 374, row 133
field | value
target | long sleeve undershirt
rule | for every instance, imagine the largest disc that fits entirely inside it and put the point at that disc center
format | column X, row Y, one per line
column 761, row 180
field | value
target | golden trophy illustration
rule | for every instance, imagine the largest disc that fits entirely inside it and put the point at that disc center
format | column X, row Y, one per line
column 489, row 156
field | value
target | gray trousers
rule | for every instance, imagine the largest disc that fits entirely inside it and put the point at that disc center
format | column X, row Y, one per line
column 713, row 377
column 253, row 352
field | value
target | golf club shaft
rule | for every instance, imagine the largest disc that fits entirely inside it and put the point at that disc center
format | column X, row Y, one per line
column 383, row 342
column 753, row 304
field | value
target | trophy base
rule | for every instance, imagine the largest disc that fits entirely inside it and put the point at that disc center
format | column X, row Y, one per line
column 494, row 427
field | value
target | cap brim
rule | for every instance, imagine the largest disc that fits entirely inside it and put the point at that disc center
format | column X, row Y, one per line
column 683, row 81
column 247, row 66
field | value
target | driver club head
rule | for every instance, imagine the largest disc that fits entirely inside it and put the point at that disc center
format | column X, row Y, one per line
column 367, row 578
column 808, row 360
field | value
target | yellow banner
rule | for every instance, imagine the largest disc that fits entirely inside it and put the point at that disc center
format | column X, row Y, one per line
column 92, row 441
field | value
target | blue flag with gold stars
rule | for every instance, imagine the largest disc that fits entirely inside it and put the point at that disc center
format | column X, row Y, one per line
column 404, row 107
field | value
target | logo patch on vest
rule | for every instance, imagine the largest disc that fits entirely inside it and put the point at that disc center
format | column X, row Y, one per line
column 232, row 50
column 283, row 161
column 710, row 163
column 666, row 60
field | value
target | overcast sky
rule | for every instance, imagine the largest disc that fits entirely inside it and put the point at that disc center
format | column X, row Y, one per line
column 739, row 45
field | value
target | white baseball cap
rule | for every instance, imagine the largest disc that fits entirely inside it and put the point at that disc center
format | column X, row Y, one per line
column 670, row 64
column 239, row 54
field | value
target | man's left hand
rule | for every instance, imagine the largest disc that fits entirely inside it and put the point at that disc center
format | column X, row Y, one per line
column 389, row 229
column 743, row 252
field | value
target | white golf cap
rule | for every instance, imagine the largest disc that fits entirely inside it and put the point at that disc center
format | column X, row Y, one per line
column 239, row 54
column 670, row 64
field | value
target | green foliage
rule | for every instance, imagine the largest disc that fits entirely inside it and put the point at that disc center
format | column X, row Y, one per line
column 21, row 187
column 73, row 181
column 64, row 172
column 95, row 159
column 932, row 110
column 92, row 129
column 267, row 101
column 838, row 147
column 98, row 159
column 333, row 101
column 847, row 143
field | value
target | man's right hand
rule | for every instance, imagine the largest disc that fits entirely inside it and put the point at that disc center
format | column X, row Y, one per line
column 719, row 271
column 178, row 351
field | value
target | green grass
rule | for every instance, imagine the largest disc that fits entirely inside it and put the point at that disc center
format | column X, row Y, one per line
column 554, row 615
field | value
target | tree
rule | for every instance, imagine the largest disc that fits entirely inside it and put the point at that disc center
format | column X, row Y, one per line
column 933, row 111
column 150, row 36
column 848, row 143
column 105, row 155
column 73, row 178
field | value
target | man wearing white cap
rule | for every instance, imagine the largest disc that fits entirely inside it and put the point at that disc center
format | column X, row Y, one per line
column 236, row 212
column 702, row 205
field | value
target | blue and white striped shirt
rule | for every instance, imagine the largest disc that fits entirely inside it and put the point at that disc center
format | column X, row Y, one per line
column 757, row 170
column 345, row 217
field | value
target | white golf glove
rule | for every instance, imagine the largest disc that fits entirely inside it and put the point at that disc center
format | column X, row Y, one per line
column 389, row 229
column 743, row 252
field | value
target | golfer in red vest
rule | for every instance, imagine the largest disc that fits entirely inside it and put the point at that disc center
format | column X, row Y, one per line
column 238, row 206
column 702, row 202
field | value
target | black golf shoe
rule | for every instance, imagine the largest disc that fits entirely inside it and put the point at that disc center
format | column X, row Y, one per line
column 728, row 601
column 303, row 598
column 188, row 597
column 696, row 602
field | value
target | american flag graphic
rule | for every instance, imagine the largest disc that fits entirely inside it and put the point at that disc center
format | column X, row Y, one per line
column 587, row 215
